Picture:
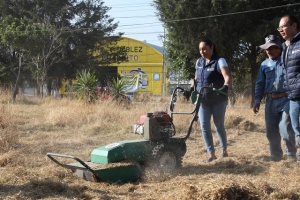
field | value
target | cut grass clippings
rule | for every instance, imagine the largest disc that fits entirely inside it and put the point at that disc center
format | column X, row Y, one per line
column 32, row 127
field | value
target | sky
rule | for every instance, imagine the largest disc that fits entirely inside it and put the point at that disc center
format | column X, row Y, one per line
column 137, row 20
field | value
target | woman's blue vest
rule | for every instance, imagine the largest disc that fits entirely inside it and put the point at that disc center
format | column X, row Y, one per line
column 208, row 75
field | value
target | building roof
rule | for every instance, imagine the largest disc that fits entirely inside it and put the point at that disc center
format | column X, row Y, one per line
column 158, row 48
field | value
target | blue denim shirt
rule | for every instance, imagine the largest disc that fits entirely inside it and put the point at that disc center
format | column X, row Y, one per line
column 270, row 80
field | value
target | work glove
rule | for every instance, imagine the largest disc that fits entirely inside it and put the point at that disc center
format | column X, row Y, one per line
column 256, row 108
column 187, row 93
column 224, row 88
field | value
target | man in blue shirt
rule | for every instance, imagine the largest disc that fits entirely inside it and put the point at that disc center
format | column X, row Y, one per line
column 270, row 83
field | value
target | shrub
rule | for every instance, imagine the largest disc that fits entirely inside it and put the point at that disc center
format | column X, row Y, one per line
column 86, row 86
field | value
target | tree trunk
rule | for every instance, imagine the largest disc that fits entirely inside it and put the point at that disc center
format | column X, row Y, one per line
column 16, row 88
column 50, row 87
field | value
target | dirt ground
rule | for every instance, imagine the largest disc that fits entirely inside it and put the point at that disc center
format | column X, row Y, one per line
column 27, row 173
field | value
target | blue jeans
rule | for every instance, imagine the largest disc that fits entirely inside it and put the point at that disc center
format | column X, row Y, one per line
column 278, row 121
column 295, row 118
column 218, row 112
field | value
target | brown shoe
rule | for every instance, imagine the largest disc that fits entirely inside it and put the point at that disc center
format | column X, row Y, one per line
column 224, row 155
column 275, row 158
column 211, row 159
column 291, row 158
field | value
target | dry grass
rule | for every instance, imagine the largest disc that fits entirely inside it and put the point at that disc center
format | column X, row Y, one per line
column 33, row 127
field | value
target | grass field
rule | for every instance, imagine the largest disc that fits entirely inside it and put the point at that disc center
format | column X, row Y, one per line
column 32, row 127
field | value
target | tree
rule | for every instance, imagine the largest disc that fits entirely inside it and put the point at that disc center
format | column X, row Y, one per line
column 46, row 53
column 92, row 37
column 69, row 32
column 236, row 27
column 18, row 35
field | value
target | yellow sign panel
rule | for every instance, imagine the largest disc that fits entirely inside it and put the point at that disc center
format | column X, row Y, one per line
column 67, row 87
column 139, row 52
column 143, row 70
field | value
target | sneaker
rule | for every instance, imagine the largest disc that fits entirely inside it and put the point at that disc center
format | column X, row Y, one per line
column 211, row 159
column 291, row 158
column 224, row 155
column 275, row 158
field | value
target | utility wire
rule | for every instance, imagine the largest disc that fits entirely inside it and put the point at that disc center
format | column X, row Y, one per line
column 178, row 20
column 133, row 4
column 143, row 33
column 220, row 15
column 144, row 16
column 140, row 26
column 150, row 16
column 235, row 13
column 128, row 10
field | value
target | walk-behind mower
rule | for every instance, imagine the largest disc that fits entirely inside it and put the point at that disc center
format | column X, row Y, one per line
column 121, row 161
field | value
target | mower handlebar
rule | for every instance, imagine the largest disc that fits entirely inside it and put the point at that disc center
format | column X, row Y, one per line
column 197, row 103
column 52, row 155
column 220, row 92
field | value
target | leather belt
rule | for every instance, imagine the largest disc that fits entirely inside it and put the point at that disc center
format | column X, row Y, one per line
column 277, row 95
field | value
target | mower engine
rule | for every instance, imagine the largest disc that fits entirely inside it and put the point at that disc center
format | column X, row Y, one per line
column 155, row 126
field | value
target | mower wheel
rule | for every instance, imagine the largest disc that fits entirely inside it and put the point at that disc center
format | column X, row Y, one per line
column 167, row 158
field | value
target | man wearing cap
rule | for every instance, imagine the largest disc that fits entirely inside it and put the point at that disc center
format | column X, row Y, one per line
column 289, row 31
column 270, row 83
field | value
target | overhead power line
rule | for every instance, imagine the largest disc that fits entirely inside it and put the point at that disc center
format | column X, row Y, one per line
column 128, row 10
column 161, row 32
column 132, row 4
column 234, row 13
column 211, row 16
column 142, row 26
column 144, row 16
column 187, row 19
column 220, row 15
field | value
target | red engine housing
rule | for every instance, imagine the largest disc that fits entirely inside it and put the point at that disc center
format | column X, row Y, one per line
column 162, row 117
column 157, row 125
